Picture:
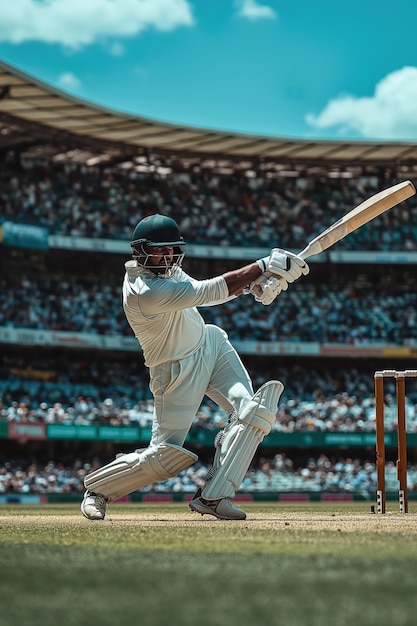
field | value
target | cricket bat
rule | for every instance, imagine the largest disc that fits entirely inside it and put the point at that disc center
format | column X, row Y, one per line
column 357, row 217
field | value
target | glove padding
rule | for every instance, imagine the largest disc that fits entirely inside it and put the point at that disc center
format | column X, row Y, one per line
column 285, row 264
column 267, row 290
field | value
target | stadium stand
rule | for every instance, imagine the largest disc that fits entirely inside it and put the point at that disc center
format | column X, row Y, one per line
column 72, row 382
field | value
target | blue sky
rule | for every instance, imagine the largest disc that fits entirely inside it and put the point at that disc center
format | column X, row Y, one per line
column 329, row 69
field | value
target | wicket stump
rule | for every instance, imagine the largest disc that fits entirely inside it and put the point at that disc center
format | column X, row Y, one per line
column 400, row 377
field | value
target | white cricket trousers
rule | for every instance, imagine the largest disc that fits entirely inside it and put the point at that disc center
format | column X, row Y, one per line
column 178, row 387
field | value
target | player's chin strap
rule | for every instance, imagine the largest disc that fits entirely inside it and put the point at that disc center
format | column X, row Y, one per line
column 237, row 443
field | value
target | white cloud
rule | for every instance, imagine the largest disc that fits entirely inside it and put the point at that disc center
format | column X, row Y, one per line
column 69, row 81
column 77, row 23
column 390, row 113
column 252, row 10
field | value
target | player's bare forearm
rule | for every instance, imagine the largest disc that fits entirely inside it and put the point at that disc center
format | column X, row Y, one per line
column 237, row 280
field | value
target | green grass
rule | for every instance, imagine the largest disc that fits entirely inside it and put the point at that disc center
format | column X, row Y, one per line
column 154, row 565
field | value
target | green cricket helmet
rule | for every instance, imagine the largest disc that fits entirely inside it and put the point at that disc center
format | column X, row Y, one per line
column 157, row 231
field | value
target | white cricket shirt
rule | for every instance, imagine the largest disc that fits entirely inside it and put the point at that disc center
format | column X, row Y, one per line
column 162, row 311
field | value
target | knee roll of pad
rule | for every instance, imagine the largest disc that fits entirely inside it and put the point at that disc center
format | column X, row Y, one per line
column 260, row 411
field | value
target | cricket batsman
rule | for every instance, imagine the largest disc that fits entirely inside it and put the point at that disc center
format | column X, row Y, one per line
column 187, row 360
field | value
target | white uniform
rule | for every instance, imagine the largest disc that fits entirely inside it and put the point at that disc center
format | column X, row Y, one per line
column 187, row 359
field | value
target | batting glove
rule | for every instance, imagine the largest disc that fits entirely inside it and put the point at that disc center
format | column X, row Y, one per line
column 285, row 264
column 267, row 290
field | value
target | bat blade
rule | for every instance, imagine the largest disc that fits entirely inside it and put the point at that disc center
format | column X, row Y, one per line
column 360, row 215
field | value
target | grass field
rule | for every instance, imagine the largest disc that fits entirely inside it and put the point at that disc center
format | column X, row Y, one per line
column 153, row 565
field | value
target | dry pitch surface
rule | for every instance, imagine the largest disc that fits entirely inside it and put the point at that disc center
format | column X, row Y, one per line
column 269, row 528
column 349, row 517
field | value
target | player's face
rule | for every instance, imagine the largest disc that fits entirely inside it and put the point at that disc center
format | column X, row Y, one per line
column 161, row 256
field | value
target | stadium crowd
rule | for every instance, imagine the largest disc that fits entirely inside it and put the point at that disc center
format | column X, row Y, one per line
column 116, row 393
column 237, row 209
column 311, row 313
column 277, row 474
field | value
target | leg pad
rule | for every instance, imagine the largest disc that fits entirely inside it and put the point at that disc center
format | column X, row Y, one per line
column 237, row 443
column 129, row 472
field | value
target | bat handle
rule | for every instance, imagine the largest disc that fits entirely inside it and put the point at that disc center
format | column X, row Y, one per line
column 312, row 248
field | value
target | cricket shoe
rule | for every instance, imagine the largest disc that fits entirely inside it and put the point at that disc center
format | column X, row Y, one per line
column 222, row 509
column 93, row 506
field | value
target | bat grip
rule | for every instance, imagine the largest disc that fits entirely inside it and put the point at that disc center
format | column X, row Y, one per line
column 309, row 250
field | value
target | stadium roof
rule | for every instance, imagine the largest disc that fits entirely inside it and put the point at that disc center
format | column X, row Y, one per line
column 33, row 113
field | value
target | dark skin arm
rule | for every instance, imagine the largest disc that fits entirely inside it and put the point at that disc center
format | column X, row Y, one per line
column 237, row 280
